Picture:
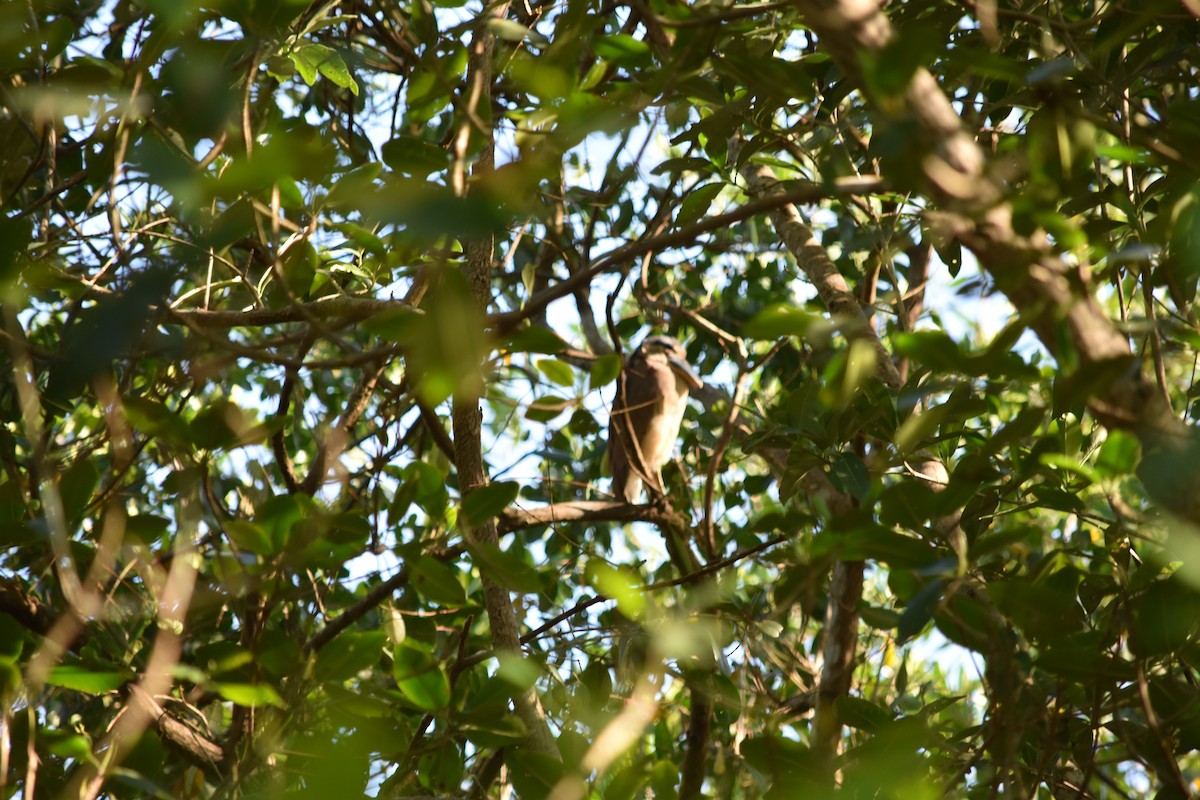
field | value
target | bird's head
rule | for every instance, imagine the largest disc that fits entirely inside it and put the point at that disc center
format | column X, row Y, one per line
column 668, row 350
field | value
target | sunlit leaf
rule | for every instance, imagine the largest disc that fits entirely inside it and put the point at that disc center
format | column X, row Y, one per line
column 556, row 371
column 85, row 679
column 250, row 694
column 622, row 49
column 420, row 679
column 619, row 584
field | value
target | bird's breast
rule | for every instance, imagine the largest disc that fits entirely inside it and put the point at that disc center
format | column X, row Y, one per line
column 659, row 438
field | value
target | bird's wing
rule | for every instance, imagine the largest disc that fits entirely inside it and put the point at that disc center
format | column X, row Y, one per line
column 644, row 389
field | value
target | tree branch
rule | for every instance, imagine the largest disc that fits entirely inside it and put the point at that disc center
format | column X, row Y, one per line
column 343, row 310
column 356, row 611
column 513, row 518
column 467, row 416
column 617, row 258
column 1036, row 280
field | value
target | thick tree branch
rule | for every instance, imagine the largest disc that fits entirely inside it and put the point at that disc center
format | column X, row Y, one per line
column 1026, row 268
column 197, row 747
column 513, row 518
column 845, row 586
column 695, row 757
column 30, row 612
column 466, row 413
column 831, row 286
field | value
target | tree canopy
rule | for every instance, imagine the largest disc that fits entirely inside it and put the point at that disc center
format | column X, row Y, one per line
column 313, row 313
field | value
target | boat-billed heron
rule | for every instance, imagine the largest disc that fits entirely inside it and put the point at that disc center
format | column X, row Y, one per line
column 651, row 397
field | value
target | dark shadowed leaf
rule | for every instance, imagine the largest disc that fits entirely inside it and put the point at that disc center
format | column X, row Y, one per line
column 507, row 569
column 436, row 581
column 484, row 503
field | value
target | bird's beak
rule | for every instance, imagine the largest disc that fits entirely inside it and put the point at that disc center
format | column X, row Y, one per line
column 685, row 371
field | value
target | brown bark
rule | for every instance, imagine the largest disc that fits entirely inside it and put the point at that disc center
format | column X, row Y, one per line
column 695, row 758
column 514, row 518
column 831, row 285
column 339, row 310
column 467, row 416
column 845, row 587
column 1036, row 280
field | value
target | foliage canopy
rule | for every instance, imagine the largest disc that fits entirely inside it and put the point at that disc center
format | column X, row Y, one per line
column 313, row 312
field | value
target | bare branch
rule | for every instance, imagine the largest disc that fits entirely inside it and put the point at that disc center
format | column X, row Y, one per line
column 342, row 310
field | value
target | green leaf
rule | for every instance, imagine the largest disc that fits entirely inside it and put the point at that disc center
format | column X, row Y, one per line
column 1183, row 253
column 1119, row 454
column 76, row 487
column 881, row 544
column 696, row 204
column 933, row 349
column 411, row 155
column 548, row 407
column 348, row 654
column 303, row 59
column 311, row 59
column 299, row 266
column 862, row 714
column 1165, row 617
column 919, row 611
column 534, row 339
column 154, row 418
column 605, row 370
column 279, row 515
column 355, row 184
column 557, row 371
column 249, row 536
column 88, row 680
column 492, row 730
column 780, row 321
column 918, row 428
column 533, row 774
column 622, row 585
column 398, row 325
column 885, row 619
column 67, row 745
column 849, row 473
column 517, row 674
column 1070, row 464
column 623, row 50
column 506, row 569
column 511, row 31
column 1083, row 663
column 906, row 504
column 664, row 778
column 280, row 68
column 437, row 582
column 420, row 679
column 486, row 502
column 362, row 237
column 222, row 425
column 889, row 70
column 147, row 528
column 250, row 695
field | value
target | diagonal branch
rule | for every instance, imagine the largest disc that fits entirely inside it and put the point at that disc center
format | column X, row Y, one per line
column 1058, row 298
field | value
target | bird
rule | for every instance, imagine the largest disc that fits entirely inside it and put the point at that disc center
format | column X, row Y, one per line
column 652, row 394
